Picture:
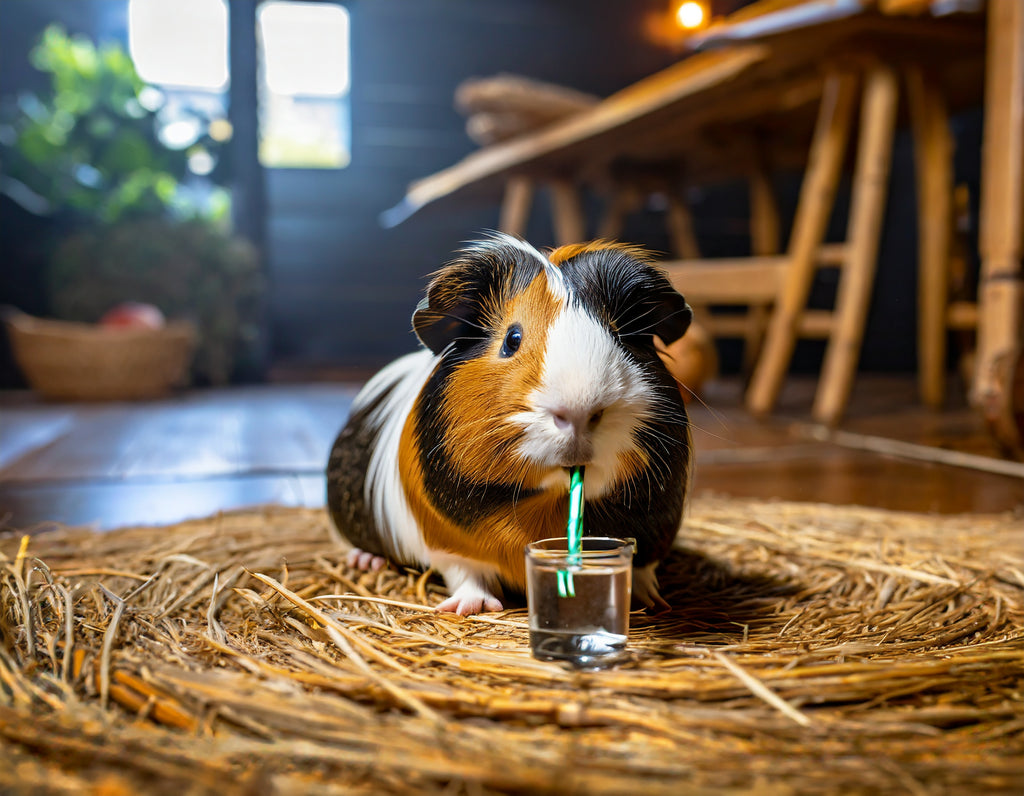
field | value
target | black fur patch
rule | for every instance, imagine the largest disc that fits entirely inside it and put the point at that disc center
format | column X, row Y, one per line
column 632, row 298
column 346, row 483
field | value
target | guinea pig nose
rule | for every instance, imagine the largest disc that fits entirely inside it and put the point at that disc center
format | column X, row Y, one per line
column 562, row 418
column 575, row 420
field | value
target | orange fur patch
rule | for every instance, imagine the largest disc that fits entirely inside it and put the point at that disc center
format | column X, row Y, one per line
column 485, row 390
column 498, row 539
column 438, row 532
column 564, row 253
column 481, row 392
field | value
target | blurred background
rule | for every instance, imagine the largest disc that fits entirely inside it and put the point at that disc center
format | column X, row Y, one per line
column 137, row 133
column 204, row 194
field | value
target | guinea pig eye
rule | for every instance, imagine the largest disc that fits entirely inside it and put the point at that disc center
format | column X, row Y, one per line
column 513, row 339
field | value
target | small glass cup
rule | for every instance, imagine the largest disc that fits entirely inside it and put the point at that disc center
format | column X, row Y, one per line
column 589, row 628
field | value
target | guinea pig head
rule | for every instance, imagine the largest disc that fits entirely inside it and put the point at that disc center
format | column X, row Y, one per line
column 549, row 362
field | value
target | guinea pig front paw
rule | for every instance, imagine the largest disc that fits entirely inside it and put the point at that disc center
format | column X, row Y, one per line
column 363, row 561
column 469, row 599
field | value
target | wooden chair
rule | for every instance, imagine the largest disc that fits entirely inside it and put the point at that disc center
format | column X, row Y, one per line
column 783, row 282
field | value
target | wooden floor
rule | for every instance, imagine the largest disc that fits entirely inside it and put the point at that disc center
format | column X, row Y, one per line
column 201, row 452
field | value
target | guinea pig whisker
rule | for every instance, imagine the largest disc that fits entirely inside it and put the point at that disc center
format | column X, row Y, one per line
column 659, row 462
column 714, row 413
column 666, row 404
column 664, row 318
column 720, row 437
column 653, row 430
column 660, row 468
column 625, row 327
column 519, row 481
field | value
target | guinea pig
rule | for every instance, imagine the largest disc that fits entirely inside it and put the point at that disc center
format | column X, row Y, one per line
column 458, row 455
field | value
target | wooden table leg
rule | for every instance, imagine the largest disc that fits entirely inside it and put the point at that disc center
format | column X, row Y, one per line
column 867, row 210
column 624, row 200
column 1001, row 291
column 515, row 206
column 568, row 217
column 933, row 160
column 679, row 221
column 814, row 206
column 764, row 210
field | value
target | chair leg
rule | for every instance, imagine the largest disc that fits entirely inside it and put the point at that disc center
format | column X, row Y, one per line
column 867, row 210
column 817, row 196
column 515, row 206
column 933, row 150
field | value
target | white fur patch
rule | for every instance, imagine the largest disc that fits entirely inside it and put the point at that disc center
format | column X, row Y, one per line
column 555, row 279
column 384, row 492
column 470, row 583
column 585, row 371
column 556, row 282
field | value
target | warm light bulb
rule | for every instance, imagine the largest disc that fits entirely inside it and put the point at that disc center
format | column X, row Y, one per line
column 690, row 15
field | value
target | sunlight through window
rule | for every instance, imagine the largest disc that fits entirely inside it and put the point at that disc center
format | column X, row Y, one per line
column 184, row 43
column 305, row 48
column 304, row 85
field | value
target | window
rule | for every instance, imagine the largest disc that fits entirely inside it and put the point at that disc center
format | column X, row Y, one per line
column 304, row 84
column 181, row 48
column 182, row 44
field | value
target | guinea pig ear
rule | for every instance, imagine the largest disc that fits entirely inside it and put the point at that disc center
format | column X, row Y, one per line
column 436, row 329
column 466, row 295
column 670, row 314
column 449, row 312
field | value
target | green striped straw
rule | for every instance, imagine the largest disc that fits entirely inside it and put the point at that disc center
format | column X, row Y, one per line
column 574, row 531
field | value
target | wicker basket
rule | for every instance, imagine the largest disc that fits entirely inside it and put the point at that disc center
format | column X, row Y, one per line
column 84, row 362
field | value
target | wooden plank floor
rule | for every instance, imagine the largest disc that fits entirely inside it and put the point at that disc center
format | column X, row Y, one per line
column 201, row 452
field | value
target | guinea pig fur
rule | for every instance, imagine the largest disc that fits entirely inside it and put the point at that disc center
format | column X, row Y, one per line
column 457, row 456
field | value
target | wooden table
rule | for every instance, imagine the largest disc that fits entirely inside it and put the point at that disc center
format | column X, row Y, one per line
column 999, row 313
column 767, row 74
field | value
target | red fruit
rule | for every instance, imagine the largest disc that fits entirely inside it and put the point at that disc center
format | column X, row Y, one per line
column 133, row 315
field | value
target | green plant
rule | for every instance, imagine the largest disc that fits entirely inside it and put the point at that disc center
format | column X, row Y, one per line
column 189, row 269
column 88, row 153
column 90, row 144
